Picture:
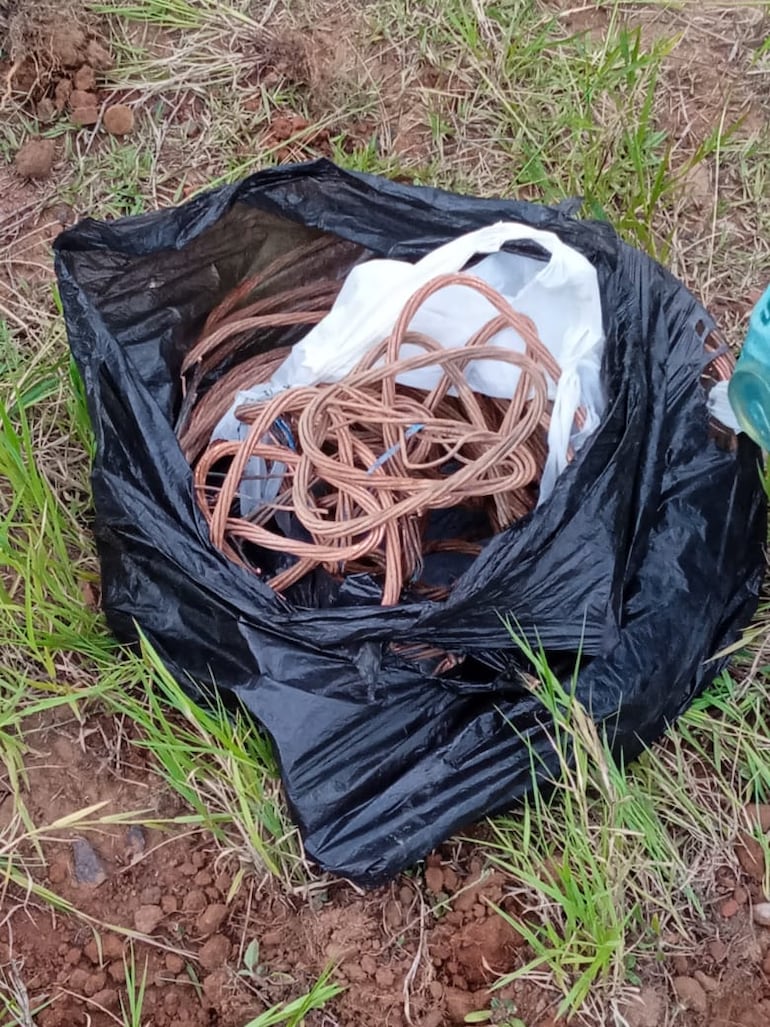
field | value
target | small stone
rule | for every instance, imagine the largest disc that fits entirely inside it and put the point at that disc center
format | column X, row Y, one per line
column 741, row 896
column 436, row 989
column 169, row 904
column 707, row 983
column 87, row 866
column 98, row 56
column 691, row 995
column 434, row 879
column 212, row 918
column 46, row 110
column 728, row 909
column 174, row 963
column 718, row 950
column 85, row 79
column 117, row 971
column 199, row 860
column 203, row 879
column 107, row 998
column 73, row 956
column 35, row 160
column 150, row 896
column 147, row 918
column 188, row 869
column 406, row 896
column 384, row 978
column 119, row 120
column 645, row 1009
column 194, row 901
column 761, row 914
column 214, row 952
column 62, row 93
column 368, row 965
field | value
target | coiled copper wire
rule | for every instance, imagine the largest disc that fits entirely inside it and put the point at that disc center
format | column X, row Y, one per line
column 366, row 458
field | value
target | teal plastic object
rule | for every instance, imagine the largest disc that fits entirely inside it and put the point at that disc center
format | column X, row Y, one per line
column 749, row 388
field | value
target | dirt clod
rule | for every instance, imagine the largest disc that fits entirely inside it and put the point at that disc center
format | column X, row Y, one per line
column 107, row 998
column 460, row 1003
column 718, row 950
column 119, row 120
column 85, row 79
column 194, row 901
column 691, row 995
column 728, row 909
column 112, row 946
column 707, row 983
column 35, row 158
column 62, row 93
column 147, row 918
column 86, row 864
column 759, row 814
column 136, row 841
column 98, row 56
column 117, row 971
column 212, row 918
column 46, row 110
column 434, row 879
column 451, row 879
column 95, row 983
column 750, row 856
column 82, row 98
column 85, row 116
column 174, row 963
column 214, row 952
column 644, row 1010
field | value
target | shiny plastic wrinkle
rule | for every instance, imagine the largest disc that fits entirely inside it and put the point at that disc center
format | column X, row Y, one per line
column 644, row 562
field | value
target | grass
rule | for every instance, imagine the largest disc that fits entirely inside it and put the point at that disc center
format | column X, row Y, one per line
column 510, row 98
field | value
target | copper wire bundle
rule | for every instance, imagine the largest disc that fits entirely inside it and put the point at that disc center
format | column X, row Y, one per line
column 366, row 459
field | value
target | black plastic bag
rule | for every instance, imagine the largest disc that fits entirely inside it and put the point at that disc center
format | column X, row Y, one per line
column 647, row 558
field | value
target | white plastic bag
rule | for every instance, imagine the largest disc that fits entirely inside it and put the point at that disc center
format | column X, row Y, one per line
column 561, row 296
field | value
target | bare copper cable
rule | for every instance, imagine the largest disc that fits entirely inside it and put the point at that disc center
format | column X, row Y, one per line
column 369, row 458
